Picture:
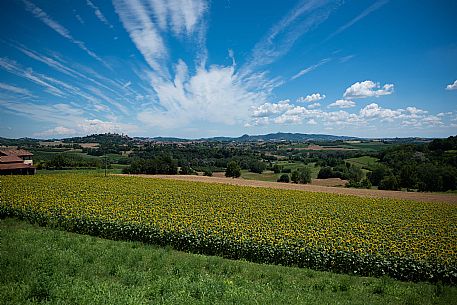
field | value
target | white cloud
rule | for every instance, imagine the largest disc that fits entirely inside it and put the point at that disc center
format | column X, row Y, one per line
column 452, row 86
column 371, row 115
column 269, row 109
column 346, row 58
column 60, row 114
column 16, row 90
column 183, row 16
column 312, row 122
column 375, row 6
column 314, row 106
column 216, row 95
column 144, row 34
column 57, row 27
column 85, row 127
column 311, row 98
column 373, row 110
column 310, row 68
column 368, row 88
column 56, row 131
column 415, row 111
column 342, row 104
column 98, row 13
column 285, row 113
column 39, row 79
column 283, row 35
column 442, row 114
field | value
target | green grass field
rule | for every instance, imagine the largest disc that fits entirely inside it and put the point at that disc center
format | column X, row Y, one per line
column 41, row 265
column 368, row 146
column 365, row 162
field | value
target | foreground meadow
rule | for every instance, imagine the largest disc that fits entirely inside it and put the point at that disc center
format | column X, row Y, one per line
column 403, row 239
column 42, row 265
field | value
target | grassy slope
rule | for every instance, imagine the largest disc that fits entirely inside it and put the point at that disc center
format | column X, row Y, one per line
column 272, row 177
column 40, row 264
column 365, row 161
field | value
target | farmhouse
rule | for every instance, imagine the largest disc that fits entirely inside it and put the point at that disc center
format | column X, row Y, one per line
column 16, row 162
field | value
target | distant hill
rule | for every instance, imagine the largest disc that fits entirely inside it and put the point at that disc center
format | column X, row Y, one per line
column 271, row 137
column 298, row 137
column 114, row 138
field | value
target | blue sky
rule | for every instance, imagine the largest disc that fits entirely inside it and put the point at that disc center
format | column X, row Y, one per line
column 193, row 69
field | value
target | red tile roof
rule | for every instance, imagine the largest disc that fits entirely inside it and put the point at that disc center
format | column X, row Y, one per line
column 16, row 152
column 10, row 159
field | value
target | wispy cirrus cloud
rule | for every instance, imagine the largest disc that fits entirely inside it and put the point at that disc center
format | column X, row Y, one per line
column 13, row 68
column 310, row 68
column 15, row 90
column 375, row 6
column 282, row 36
column 77, row 72
column 99, row 14
column 68, row 119
column 183, row 16
column 57, row 27
column 139, row 25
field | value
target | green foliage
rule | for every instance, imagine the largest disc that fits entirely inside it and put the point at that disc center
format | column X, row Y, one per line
column 256, row 166
column 378, row 174
column 302, row 175
column 233, row 170
column 67, row 160
column 162, row 164
column 207, row 172
column 427, row 167
column 389, row 183
column 186, row 170
column 56, row 267
column 364, row 184
column 325, row 173
column 284, row 178
column 277, row 168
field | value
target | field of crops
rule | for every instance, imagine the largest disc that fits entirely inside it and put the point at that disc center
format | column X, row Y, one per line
column 406, row 240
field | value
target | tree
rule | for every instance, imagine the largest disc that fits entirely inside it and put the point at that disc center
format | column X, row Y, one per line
column 277, row 168
column 256, row 166
column 294, row 177
column 302, row 175
column 355, row 173
column 233, row 170
column 377, row 174
column 325, row 173
column 186, row 170
column 305, row 175
column 389, row 182
column 408, row 176
column 284, row 178
column 207, row 172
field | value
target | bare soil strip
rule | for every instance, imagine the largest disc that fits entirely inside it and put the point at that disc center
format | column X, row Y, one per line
column 425, row 197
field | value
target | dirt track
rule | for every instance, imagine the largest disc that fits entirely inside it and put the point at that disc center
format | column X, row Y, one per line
column 426, row 197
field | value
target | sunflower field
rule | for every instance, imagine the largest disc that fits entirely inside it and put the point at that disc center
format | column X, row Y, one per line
column 373, row 237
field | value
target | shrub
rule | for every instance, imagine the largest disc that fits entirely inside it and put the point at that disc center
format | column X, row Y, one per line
column 233, row 170
column 284, row 178
column 389, row 183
